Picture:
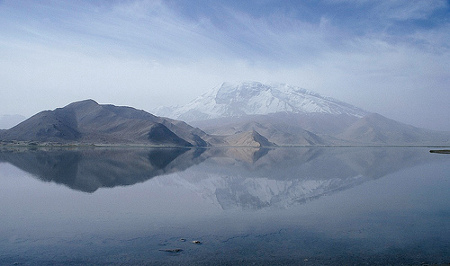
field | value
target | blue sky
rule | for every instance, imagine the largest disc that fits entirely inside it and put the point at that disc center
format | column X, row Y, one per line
column 390, row 57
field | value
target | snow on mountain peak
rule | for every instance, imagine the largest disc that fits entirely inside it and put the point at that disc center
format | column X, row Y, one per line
column 255, row 98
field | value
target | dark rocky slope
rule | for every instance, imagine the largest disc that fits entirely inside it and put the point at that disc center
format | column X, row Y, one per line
column 90, row 122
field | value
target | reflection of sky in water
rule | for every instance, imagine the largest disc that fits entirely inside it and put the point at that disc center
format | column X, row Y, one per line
column 391, row 209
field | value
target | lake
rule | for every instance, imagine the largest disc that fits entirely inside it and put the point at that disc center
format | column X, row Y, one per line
column 300, row 206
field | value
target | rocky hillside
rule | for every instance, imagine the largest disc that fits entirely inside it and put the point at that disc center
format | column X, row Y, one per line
column 90, row 122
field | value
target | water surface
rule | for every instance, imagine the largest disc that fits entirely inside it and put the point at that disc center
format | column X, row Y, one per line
column 265, row 206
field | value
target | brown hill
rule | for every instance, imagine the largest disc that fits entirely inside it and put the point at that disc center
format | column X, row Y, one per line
column 89, row 122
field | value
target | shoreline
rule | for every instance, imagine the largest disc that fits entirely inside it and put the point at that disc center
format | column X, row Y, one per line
column 34, row 145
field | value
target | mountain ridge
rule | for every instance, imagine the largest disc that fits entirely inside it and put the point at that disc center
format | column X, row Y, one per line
column 275, row 119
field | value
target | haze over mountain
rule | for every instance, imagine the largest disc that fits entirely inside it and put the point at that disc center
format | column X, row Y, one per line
column 255, row 98
column 8, row 121
column 287, row 115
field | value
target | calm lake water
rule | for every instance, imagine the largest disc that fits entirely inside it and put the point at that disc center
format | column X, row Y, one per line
column 301, row 206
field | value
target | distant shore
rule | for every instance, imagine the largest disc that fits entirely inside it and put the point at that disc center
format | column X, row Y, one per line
column 43, row 145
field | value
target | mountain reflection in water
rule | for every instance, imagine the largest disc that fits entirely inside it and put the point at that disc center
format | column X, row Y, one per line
column 90, row 169
column 282, row 177
column 245, row 178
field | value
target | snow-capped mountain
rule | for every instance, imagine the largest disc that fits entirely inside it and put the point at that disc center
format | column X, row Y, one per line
column 254, row 98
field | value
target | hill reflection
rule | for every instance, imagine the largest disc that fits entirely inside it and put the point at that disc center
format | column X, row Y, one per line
column 232, row 178
column 90, row 169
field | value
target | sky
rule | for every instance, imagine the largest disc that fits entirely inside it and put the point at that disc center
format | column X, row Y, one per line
column 391, row 57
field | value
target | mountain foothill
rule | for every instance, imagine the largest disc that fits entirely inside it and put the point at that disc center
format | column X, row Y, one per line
column 248, row 114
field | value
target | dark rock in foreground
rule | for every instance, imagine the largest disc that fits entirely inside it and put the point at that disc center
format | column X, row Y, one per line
column 440, row 151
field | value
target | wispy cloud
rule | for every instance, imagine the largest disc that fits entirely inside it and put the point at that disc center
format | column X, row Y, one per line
column 152, row 52
column 409, row 10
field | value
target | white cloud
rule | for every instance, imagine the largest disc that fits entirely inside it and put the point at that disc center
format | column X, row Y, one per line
column 144, row 54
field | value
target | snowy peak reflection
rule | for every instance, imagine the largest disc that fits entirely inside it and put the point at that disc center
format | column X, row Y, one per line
column 247, row 155
column 90, row 169
column 287, row 176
